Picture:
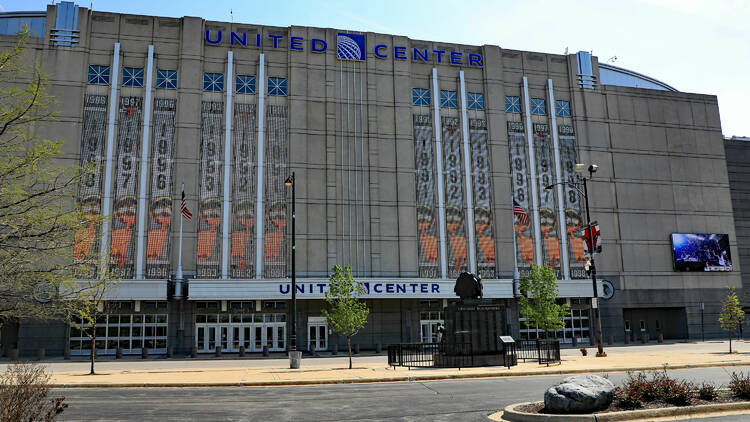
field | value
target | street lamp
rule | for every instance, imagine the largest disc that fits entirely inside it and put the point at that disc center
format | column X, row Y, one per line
column 294, row 356
column 580, row 168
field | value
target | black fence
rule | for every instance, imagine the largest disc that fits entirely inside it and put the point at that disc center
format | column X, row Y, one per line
column 543, row 351
column 431, row 355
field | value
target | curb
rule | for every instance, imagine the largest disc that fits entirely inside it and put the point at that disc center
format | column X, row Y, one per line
column 510, row 414
column 404, row 378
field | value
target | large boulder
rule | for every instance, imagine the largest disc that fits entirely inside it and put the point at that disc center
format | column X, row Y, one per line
column 580, row 394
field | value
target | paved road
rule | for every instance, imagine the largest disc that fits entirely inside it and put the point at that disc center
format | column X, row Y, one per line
column 459, row 400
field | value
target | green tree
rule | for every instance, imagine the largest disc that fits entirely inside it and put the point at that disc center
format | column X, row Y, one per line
column 731, row 315
column 538, row 300
column 86, row 304
column 346, row 313
column 38, row 214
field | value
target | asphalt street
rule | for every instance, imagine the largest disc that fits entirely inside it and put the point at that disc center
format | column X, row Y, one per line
column 450, row 400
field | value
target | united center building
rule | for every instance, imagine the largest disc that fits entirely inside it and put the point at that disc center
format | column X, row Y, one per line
column 413, row 160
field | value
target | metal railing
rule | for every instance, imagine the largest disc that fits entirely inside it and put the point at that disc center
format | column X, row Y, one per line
column 431, row 355
column 543, row 351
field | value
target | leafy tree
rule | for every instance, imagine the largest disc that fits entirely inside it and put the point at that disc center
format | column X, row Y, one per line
column 87, row 305
column 346, row 314
column 538, row 300
column 732, row 315
column 38, row 216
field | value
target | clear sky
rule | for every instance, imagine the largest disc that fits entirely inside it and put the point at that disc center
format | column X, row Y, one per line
column 699, row 46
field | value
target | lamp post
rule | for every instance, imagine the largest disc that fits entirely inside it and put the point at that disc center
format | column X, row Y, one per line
column 703, row 334
column 580, row 168
column 294, row 356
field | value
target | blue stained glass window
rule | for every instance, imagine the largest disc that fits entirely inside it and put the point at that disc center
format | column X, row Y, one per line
column 98, row 75
column 420, row 96
column 562, row 108
column 538, row 106
column 245, row 84
column 166, row 79
column 277, row 86
column 213, row 82
column 448, row 99
column 512, row 104
column 475, row 101
column 132, row 76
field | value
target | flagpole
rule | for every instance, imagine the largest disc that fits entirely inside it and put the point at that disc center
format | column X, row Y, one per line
column 179, row 253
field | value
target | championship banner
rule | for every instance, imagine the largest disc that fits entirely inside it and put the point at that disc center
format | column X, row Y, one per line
column 130, row 120
column 427, row 239
column 455, row 220
column 209, row 205
column 275, row 249
column 480, row 177
column 522, row 224
column 90, row 190
column 573, row 216
column 545, row 165
column 244, row 140
column 160, row 205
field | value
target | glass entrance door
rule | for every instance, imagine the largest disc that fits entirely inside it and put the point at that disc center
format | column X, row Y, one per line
column 252, row 331
column 317, row 336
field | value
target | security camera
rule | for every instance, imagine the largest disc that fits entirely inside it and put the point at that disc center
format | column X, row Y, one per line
column 593, row 168
column 580, row 168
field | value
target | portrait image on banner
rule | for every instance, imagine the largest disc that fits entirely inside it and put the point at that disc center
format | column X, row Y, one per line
column 573, row 208
column 455, row 211
column 125, row 206
column 522, row 223
column 90, row 190
column 209, row 203
column 427, row 239
column 483, row 221
column 275, row 249
column 160, row 205
column 545, row 165
column 244, row 184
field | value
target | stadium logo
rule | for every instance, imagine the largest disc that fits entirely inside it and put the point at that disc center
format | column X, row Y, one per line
column 350, row 46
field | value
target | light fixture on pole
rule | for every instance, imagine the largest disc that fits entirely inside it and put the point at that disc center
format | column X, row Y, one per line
column 590, row 264
column 294, row 355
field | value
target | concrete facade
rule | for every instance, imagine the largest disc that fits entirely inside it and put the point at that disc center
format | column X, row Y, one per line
column 349, row 136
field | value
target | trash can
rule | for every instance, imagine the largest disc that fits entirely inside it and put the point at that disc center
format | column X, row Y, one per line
column 295, row 359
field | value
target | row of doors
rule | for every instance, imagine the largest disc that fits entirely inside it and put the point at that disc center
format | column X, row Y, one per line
column 253, row 336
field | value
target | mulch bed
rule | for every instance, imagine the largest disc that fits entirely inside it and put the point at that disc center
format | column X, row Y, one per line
column 723, row 398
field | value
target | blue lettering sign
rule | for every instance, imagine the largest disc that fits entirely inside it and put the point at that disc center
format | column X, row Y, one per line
column 399, row 53
column 439, row 55
column 389, row 288
column 378, row 54
column 208, row 37
column 295, row 43
column 475, row 60
column 276, row 39
column 257, row 39
column 284, row 289
column 378, row 288
column 422, row 54
column 435, row 288
column 423, row 288
column 456, row 57
column 322, row 43
column 413, row 287
column 233, row 36
column 321, row 286
column 401, row 288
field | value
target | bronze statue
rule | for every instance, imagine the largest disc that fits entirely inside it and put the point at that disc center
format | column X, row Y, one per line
column 468, row 286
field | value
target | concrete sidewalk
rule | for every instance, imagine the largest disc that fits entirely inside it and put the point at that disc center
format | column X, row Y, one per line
column 160, row 372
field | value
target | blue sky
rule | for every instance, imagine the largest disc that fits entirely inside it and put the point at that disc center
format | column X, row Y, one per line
column 694, row 45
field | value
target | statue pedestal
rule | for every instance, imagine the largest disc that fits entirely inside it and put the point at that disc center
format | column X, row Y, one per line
column 479, row 323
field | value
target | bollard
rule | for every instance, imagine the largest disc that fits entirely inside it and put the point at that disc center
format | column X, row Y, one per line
column 627, row 338
column 313, row 350
column 356, row 348
column 378, row 348
column 644, row 338
column 118, row 353
column 218, row 351
column 66, row 353
column 335, row 350
column 610, row 340
column 265, row 350
column 242, row 351
column 170, row 351
column 144, row 353
column 13, row 354
column 193, row 352
column 40, row 354
column 575, row 342
column 660, row 339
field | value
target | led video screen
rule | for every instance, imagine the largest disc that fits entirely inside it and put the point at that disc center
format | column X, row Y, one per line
column 701, row 252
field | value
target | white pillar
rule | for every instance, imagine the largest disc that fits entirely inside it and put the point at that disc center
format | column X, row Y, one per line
column 559, row 180
column 472, row 247
column 227, row 171
column 439, row 161
column 106, row 206
column 532, row 172
column 261, row 110
column 143, row 188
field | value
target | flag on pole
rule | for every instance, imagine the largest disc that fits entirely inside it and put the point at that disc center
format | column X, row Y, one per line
column 591, row 239
column 183, row 207
column 523, row 216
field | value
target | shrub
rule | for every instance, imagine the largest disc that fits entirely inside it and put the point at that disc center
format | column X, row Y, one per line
column 24, row 388
column 707, row 392
column 625, row 400
column 678, row 393
column 739, row 385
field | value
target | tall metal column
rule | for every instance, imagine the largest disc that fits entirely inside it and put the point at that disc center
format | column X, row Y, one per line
column 225, row 224
column 467, row 178
column 143, row 189
column 261, row 110
column 532, row 173
column 439, row 160
column 106, row 206
column 559, row 181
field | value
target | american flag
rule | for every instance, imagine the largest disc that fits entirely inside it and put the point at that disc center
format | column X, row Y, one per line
column 518, row 211
column 183, row 207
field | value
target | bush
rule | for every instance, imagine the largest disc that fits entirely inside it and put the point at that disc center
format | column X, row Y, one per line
column 707, row 392
column 678, row 393
column 739, row 385
column 24, row 388
column 625, row 400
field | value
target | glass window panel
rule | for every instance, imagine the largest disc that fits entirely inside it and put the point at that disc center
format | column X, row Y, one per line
column 235, row 337
column 224, row 318
column 166, row 79
column 149, row 331
column 132, row 76
column 74, row 344
column 100, row 344
column 245, row 84
column 280, row 337
column 125, row 319
column 213, row 82
column 150, row 319
column 75, row 332
column 101, row 331
column 258, row 318
column 211, row 318
column 161, row 331
column 562, row 108
column 137, row 331
column 277, row 86
column 137, row 319
column 475, row 101
column 201, row 334
column 113, row 331
column 136, row 343
column 86, row 344
column 269, row 337
column 161, row 343
column 98, row 75
column 237, row 318
column 420, row 96
column 124, row 331
column 448, row 99
column 512, row 104
column 111, row 344
column 161, row 319
column 200, row 319
column 258, row 337
column 149, row 343
column 101, row 319
column 539, row 106
column 246, row 338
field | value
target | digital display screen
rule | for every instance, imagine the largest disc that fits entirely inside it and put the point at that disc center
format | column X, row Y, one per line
column 701, row 252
